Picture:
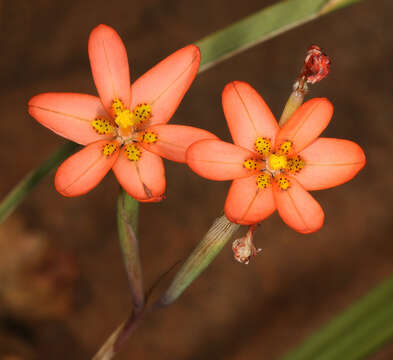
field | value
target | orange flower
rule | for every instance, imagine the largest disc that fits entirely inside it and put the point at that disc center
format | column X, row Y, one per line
column 273, row 167
column 125, row 128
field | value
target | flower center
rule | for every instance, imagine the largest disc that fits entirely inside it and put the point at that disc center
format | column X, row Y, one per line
column 274, row 166
column 277, row 162
column 125, row 119
column 126, row 129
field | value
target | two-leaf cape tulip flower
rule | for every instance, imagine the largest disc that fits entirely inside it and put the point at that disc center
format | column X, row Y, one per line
column 273, row 168
column 125, row 128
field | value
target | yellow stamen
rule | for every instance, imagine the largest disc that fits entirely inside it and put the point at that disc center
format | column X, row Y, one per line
column 263, row 146
column 110, row 148
column 102, row 126
column 117, row 106
column 264, row 180
column 133, row 152
column 252, row 164
column 142, row 113
column 295, row 164
column 285, row 147
column 149, row 137
column 283, row 182
column 277, row 162
column 125, row 119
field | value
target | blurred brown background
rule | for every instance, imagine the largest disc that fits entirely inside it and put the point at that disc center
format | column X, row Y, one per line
column 62, row 284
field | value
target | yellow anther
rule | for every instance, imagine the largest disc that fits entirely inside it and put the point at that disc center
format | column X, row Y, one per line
column 252, row 164
column 142, row 113
column 110, row 148
column 102, row 126
column 264, row 180
column 133, row 152
column 149, row 137
column 125, row 119
column 283, row 182
column 277, row 162
column 295, row 164
column 285, row 147
column 263, row 146
column 117, row 106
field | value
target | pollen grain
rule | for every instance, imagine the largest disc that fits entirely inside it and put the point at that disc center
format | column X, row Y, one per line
column 283, row 182
column 264, row 180
column 263, row 146
column 110, row 148
column 133, row 152
column 102, row 126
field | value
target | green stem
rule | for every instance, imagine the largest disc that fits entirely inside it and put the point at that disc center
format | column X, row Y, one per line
column 107, row 351
column 294, row 102
column 127, row 220
column 205, row 252
column 19, row 192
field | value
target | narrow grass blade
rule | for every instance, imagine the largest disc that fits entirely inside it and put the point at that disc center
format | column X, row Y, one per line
column 356, row 332
column 261, row 26
column 19, row 192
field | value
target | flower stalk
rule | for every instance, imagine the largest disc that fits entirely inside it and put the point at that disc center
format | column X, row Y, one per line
column 127, row 222
column 295, row 100
column 315, row 68
column 113, row 344
column 206, row 251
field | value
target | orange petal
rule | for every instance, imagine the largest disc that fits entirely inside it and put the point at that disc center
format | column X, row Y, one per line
column 218, row 160
column 246, row 204
column 144, row 180
column 306, row 124
column 164, row 86
column 330, row 162
column 298, row 208
column 174, row 140
column 68, row 115
column 81, row 172
column 247, row 115
column 109, row 65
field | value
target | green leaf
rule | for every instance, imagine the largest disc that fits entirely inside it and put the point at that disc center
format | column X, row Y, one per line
column 252, row 30
column 335, row 5
column 261, row 26
column 28, row 183
column 356, row 332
